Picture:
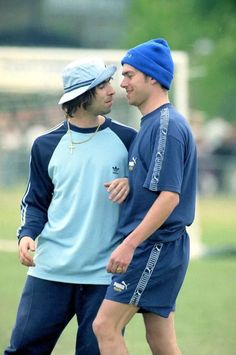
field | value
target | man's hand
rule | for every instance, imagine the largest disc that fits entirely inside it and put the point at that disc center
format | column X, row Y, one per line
column 120, row 258
column 26, row 247
column 118, row 189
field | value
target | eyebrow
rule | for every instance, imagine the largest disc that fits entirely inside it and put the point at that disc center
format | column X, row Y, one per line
column 125, row 72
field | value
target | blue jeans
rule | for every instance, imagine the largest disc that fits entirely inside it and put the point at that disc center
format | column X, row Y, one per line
column 46, row 307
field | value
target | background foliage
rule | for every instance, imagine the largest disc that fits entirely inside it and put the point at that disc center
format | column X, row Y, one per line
column 206, row 29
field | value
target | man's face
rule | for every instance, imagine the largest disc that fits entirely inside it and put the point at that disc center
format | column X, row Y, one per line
column 136, row 84
column 103, row 99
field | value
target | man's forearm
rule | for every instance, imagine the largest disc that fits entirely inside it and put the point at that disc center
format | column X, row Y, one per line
column 156, row 216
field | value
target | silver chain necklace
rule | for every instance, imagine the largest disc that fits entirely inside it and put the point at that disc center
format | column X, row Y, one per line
column 72, row 144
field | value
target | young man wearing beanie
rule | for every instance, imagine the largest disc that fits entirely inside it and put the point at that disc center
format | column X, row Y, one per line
column 149, row 266
column 77, row 172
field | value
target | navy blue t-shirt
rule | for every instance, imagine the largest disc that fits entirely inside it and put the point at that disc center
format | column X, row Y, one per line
column 162, row 157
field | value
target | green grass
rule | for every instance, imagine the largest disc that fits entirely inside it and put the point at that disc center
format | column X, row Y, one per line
column 10, row 211
column 205, row 317
column 206, row 312
column 217, row 219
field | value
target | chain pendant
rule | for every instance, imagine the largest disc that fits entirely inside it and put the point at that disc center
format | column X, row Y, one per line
column 72, row 144
column 71, row 147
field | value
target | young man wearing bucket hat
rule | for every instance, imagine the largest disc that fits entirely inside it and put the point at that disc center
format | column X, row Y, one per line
column 150, row 264
column 71, row 204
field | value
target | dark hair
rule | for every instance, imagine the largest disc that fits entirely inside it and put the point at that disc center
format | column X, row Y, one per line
column 83, row 100
column 148, row 76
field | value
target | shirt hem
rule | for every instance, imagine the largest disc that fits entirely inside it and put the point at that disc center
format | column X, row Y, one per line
column 73, row 280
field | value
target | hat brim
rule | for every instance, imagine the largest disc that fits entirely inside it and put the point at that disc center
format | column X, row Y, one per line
column 104, row 75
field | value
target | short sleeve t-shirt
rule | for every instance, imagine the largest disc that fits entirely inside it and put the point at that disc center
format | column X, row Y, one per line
column 162, row 157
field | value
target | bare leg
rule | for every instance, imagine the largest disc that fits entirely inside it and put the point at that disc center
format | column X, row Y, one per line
column 111, row 319
column 160, row 333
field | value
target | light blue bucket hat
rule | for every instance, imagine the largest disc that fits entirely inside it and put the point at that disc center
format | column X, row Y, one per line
column 81, row 76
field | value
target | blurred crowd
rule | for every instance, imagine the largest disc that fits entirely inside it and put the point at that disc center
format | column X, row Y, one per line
column 216, row 142
column 18, row 130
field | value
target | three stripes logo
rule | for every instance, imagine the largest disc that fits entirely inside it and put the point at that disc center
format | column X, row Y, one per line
column 115, row 170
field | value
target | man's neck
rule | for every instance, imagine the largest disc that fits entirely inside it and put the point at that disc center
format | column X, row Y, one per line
column 154, row 102
column 86, row 121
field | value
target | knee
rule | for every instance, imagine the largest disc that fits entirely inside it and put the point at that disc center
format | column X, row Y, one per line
column 156, row 343
column 161, row 345
column 101, row 327
column 152, row 340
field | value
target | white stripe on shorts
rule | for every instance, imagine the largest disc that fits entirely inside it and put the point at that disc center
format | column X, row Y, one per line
column 154, row 256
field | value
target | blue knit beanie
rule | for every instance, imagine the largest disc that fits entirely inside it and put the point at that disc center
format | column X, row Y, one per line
column 154, row 59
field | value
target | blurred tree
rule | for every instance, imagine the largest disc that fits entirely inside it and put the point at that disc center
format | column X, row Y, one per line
column 206, row 29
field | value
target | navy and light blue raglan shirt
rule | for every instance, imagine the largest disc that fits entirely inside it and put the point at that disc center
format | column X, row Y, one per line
column 162, row 157
column 66, row 204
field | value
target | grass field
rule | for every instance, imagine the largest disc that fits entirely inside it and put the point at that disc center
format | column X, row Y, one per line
column 206, row 311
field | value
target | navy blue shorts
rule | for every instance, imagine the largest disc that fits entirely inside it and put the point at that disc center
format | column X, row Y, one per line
column 154, row 277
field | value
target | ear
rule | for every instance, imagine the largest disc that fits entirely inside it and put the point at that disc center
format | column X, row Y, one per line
column 153, row 81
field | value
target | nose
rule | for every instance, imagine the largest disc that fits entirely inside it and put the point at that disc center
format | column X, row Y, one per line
column 111, row 90
column 123, row 84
